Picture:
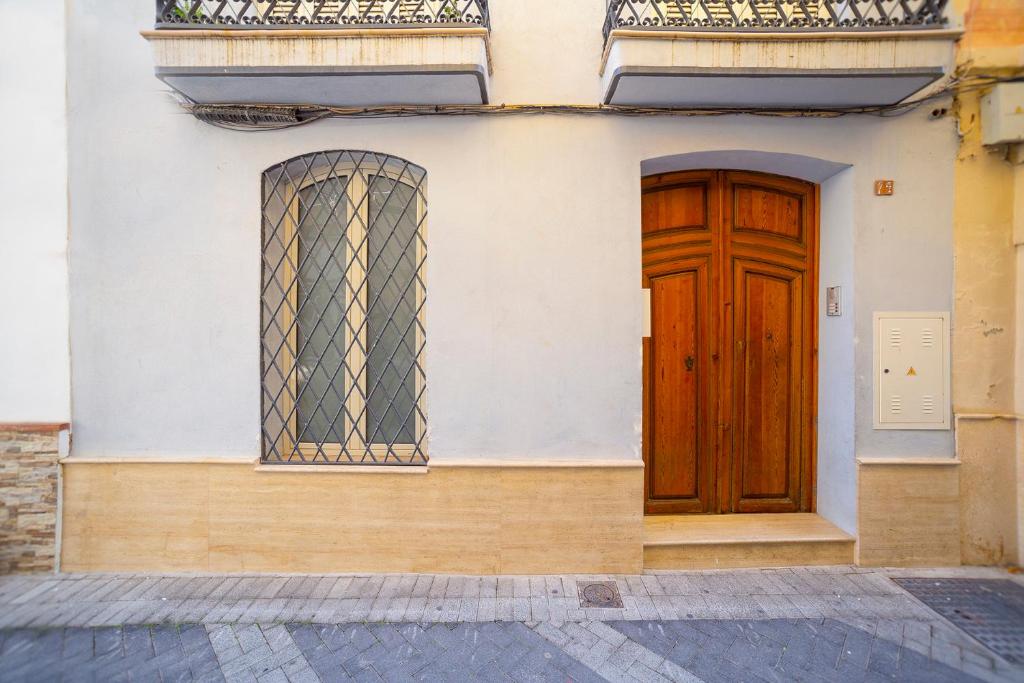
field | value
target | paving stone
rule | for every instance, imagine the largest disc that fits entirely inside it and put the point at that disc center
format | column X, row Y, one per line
column 225, row 644
column 820, row 624
column 298, row 670
column 503, row 608
column 642, row 672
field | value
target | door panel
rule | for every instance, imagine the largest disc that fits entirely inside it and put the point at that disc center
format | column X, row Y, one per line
column 769, row 238
column 764, row 210
column 680, row 454
column 674, row 450
column 683, row 207
column 730, row 369
column 766, row 453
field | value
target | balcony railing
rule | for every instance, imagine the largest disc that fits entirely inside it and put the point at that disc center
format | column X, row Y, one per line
column 774, row 15
column 291, row 14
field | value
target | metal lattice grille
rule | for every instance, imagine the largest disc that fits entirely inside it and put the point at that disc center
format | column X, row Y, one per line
column 344, row 255
column 318, row 13
column 769, row 15
column 989, row 610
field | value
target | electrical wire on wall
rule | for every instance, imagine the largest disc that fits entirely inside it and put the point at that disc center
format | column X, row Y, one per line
column 265, row 117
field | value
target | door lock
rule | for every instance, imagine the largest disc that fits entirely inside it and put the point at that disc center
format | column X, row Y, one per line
column 690, row 360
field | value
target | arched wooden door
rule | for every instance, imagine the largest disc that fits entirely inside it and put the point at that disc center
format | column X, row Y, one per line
column 730, row 369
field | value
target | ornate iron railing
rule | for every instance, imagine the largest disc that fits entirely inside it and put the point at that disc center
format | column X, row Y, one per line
column 774, row 15
column 319, row 13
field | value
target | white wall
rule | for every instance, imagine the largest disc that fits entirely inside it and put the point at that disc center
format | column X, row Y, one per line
column 837, row 409
column 534, row 249
column 904, row 254
column 34, row 371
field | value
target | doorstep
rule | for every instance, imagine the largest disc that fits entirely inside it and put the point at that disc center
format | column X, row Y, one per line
column 750, row 540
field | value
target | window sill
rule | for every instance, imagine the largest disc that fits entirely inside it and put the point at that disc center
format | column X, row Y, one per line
column 343, row 469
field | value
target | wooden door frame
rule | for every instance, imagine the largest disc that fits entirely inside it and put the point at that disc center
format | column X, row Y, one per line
column 719, row 216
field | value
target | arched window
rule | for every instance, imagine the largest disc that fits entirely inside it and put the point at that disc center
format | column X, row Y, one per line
column 343, row 296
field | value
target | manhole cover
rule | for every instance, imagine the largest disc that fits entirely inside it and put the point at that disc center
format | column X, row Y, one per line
column 600, row 594
column 989, row 610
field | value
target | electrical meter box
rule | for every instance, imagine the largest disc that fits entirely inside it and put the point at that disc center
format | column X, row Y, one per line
column 1002, row 114
column 912, row 371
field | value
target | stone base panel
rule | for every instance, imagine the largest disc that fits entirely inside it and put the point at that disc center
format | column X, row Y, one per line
column 908, row 512
column 239, row 517
column 28, row 497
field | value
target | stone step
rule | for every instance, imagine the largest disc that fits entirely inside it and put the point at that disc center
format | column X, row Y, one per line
column 749, row 540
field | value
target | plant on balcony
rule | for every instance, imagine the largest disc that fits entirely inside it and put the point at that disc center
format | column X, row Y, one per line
column 450, row 13
column 184, row 11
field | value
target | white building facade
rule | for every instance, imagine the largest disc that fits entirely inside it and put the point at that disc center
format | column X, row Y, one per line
column 488, row 416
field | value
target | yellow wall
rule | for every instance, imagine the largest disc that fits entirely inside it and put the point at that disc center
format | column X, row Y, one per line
column 993, row 32
column 202, row 516
column 986, row 375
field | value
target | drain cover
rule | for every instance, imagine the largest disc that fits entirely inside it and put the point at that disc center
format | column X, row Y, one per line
column 600, row 594
column 989, row 610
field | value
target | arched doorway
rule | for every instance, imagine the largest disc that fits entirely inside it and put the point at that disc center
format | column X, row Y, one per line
column 731, row 260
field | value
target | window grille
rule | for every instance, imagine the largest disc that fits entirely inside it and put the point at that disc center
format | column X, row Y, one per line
column 343, row 294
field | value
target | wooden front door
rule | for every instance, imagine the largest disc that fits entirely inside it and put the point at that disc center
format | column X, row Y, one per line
column 730, row 258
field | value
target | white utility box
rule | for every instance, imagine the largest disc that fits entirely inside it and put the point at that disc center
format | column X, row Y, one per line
column 912, row 371
column 1002, row 114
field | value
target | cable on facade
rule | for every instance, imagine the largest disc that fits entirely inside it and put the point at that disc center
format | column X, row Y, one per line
column 264, row 117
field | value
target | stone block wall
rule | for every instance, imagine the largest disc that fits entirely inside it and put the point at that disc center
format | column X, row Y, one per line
column 28, row 497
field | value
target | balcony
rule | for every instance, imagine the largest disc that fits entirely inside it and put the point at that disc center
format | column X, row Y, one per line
column 773, row 54
column 337, row 53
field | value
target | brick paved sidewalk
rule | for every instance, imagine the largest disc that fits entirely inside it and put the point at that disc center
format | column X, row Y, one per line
column 832, row 624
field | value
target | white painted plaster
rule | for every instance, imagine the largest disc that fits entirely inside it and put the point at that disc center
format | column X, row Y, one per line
column 533, row 347
column 34, row 372
column 837, row 465
column 904, row 254
column 811, row 169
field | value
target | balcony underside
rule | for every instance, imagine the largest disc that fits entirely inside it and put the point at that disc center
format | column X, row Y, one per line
column 337, row 87
column 682, row 87
column 337, row 68
column 772, row 71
